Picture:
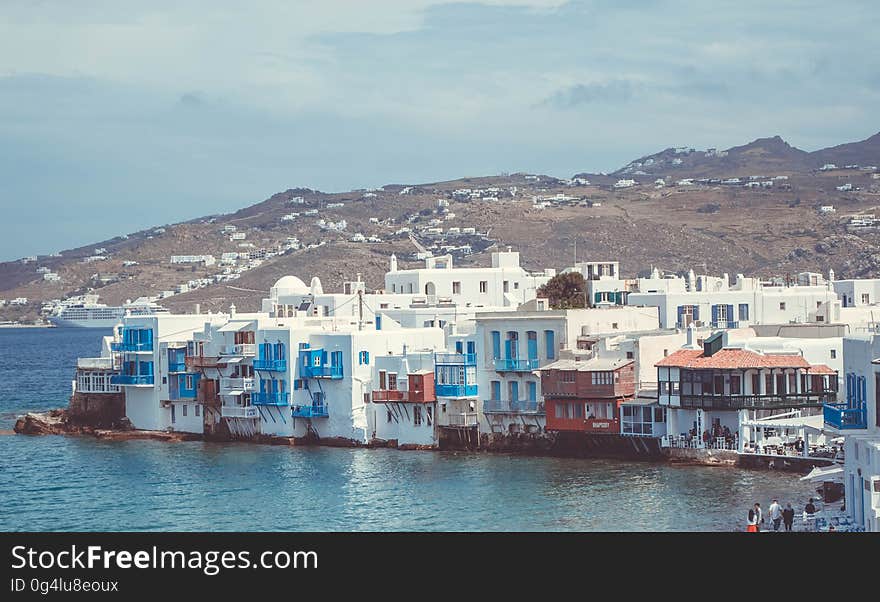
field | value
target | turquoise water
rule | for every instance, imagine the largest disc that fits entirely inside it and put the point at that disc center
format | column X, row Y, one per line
column 79, row 483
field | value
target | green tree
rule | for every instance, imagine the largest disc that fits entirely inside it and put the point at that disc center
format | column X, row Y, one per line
column 565, row 291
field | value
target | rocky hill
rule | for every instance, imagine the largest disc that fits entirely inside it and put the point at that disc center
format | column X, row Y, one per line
column 767, row 225
column 760, row 157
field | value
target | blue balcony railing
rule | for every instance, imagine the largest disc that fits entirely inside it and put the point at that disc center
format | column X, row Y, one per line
column 270, row 364
column 174, row 367
column 272, row 398
column 516, row 365
column 843, row 417
column 132, row 379
column 456, row 359
column 130, row 346
column 505, row 406
column 455, row 390
column 310, row 411
column 331, row 371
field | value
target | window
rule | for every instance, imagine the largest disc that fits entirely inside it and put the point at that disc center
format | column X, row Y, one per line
column 566, row 376
column 743, row 311
column 390, row 417
column 559, row 410
column 515, row 285
column 484, row 286
column 834, row 354
column 506, row 286
column 866, row 299
column 429, row 415
column 198, row 409
column 665, row 352
column 456, row 288
column 496, row 344
column 189, row 383
column 364, row 358
column 392, row 381
column 629, row 355
column 550, row 344
column 614, row 325
column 417, row 415
column 782, row 305
column 735, row 384
column 184, row 409
column 756, row 384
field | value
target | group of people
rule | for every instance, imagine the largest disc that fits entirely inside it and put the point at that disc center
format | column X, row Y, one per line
column 777, row 514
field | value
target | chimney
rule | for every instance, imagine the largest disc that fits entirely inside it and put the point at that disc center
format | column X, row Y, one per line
column 198, row 309
column 232, row 310
column 393, row 263
column 691, row 337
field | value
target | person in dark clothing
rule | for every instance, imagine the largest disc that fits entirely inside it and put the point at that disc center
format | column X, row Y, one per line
column 788, row 517
column 810, row 508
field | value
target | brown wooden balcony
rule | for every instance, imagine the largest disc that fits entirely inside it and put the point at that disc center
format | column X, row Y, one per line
column 200, row 362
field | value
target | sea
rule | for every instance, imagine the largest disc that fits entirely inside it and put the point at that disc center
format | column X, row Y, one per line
column 68, row 483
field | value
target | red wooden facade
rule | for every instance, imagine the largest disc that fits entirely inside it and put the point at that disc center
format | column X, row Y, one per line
column 420, row 389
column 586, row 401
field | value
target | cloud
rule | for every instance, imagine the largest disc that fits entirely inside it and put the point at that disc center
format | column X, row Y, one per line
column 614, row 91
column 195, row 107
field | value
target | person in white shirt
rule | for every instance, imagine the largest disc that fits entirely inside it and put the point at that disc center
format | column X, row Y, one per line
column 759, row 516
column 775, row 514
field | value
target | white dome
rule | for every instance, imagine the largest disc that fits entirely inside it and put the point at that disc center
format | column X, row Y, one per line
column 289, row 285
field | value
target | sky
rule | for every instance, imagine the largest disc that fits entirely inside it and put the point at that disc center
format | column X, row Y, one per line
column 117, row 115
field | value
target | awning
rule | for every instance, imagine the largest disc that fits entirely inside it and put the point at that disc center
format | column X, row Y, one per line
column 813, row 423
column 825, row 473
column 236, row 326
column 233, row 392
column 230, row 360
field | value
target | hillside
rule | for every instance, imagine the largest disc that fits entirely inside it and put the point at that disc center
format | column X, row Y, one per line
column 765, row 226
column 763, row 156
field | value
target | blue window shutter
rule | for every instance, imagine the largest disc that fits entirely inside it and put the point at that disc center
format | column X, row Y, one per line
column 514, row 390
column 714, row 314
column 533, row 391
column 730, row 317
column 496, row 389
column 597, row 298
column 849, row 389
column 378, row 322
column 533, row 348
column 696, row 312
column 366, row 357
column 508, row 349
column 496, row 344
column 458, row 347
column 680, row 314
column 863, row 389
column 550, row 340
column 471, row 347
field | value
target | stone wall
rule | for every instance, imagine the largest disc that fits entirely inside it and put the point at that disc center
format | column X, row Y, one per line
column 100, row 410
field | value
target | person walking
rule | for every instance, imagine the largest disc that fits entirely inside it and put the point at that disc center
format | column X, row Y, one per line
column 788, row 517
column 775, row 512
column 759, row 517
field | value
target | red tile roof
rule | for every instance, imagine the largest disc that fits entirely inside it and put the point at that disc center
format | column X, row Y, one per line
column 822, row 369
column 732, row 358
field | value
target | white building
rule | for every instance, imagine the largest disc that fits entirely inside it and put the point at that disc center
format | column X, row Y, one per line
column 716, row 302
column 504, row 284
column 858, row 418
column 207, row 260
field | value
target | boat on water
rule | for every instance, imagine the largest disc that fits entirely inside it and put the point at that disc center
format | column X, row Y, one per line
column 86, row 312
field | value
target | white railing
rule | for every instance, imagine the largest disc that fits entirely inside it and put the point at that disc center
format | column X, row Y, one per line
column 243, row 349
column 88, row 382
column 465, row 419
column 239, row 412
column 697, row 443
column 240, row 383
